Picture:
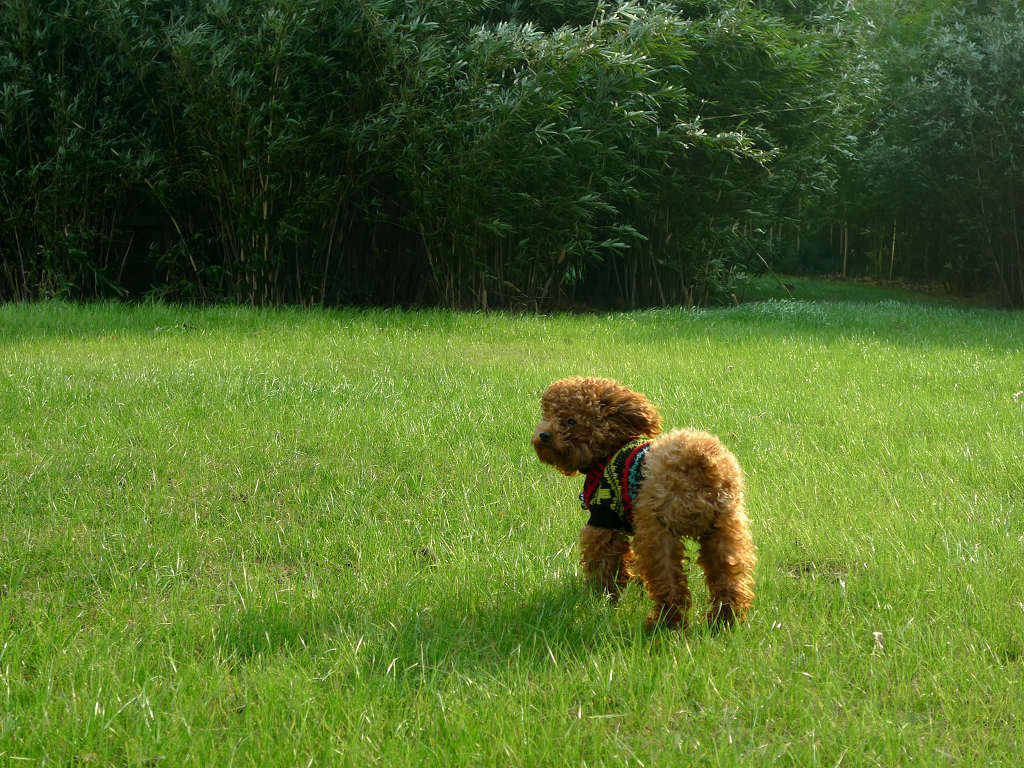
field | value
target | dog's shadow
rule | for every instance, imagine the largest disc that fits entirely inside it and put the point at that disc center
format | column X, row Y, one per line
column 560, row 620
column 559, row 615
column 555, row 622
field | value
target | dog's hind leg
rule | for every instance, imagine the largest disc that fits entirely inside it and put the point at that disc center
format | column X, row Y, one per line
column 660, row 560
column 604, row 556
column 728, row 556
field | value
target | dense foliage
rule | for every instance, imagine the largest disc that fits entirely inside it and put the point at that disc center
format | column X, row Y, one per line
column 487, row 153
column 937, row 189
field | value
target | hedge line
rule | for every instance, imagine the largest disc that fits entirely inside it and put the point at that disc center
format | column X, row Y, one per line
column 467, row 154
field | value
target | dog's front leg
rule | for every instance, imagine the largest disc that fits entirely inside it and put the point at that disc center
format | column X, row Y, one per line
column 604, row 556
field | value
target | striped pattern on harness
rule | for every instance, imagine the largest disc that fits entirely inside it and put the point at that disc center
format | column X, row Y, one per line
column 611, row 486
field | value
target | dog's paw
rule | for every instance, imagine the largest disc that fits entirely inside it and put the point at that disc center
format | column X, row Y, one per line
column 666, row 617
column 722, row 617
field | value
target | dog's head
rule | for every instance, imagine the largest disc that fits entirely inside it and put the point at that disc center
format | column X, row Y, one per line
column 583, row 420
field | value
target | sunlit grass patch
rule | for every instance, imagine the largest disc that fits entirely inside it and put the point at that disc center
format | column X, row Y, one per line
column 276, row 537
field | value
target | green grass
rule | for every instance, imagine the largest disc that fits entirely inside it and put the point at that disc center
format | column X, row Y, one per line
column 240, row 537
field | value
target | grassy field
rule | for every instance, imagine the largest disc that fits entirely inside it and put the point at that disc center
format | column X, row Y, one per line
column 292, row 538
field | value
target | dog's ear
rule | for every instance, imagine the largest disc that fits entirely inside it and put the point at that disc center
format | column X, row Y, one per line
column 633, row 410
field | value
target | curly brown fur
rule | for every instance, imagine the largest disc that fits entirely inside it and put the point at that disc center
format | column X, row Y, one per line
column 605, row 557
column 693, row 488
column 586, row 419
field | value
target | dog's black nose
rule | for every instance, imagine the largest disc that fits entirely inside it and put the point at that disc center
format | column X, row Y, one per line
column 545, row 437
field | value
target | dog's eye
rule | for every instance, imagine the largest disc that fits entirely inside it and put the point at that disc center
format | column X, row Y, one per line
column 571, row 422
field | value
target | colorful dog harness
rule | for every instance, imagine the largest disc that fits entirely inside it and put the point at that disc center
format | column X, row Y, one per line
column 611, row 486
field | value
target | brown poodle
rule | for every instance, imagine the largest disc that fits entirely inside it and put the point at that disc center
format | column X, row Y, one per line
column 644, row 494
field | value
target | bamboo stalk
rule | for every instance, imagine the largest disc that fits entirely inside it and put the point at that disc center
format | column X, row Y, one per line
column 892, row 253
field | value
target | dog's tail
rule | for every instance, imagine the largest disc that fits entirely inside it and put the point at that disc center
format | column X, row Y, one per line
column 719, row 467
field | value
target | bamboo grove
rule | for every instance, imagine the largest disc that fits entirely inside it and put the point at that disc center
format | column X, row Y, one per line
column 487, row 154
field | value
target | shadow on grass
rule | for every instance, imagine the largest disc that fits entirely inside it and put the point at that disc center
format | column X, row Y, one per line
column 893, row 323
column 899, row 321
column 560, row 621
column 268, row 630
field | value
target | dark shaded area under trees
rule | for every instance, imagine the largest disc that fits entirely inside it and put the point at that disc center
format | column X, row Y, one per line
column 479, row 154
